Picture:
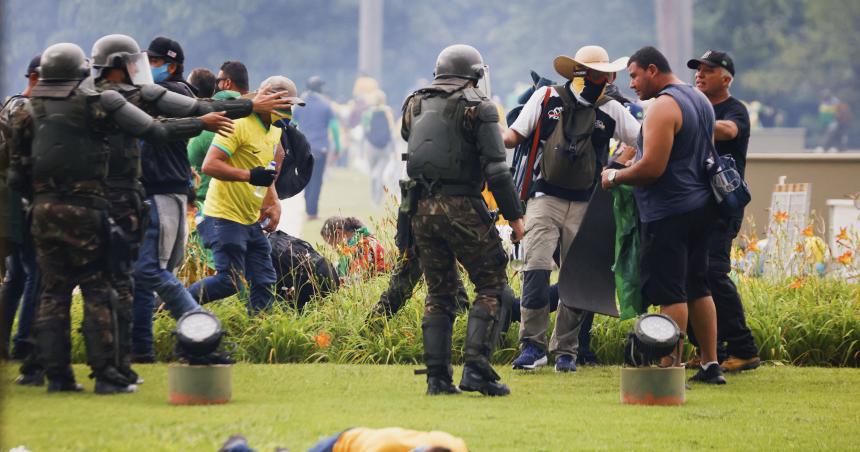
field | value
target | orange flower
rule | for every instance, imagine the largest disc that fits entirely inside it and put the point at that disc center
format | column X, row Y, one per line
column 797, row 283
column 807, row 231
column 798, row 248
column 323, row 339
column 843, row 234
column 846, row 258
column 753, row 246
column 780, row 217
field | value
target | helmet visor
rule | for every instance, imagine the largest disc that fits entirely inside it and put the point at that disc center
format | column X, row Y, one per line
column 138, row 69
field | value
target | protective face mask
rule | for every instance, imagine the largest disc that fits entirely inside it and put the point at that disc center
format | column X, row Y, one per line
column 160, row 74
column 592, row 91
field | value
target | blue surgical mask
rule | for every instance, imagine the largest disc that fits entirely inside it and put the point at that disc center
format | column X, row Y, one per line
column 160, row 74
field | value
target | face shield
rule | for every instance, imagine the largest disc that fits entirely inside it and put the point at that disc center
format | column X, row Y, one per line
column 484, row 82
column 137, row 66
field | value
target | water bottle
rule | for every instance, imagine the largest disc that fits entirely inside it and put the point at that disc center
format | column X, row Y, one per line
column 261, row 191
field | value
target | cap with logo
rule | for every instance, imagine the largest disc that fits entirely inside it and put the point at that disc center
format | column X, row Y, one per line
column 714, row 58
column 166, row 48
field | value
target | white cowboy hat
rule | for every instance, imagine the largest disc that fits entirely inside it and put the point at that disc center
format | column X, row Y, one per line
column 592, row 57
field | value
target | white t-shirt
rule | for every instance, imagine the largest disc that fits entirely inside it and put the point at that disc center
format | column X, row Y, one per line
column 626, row 127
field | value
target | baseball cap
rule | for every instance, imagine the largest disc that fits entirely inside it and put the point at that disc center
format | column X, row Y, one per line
column 714, row 58
column 279, row 83
column 166, row 48
column 34, row 65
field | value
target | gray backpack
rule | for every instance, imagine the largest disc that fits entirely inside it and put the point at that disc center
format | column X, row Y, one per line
column 569, row 160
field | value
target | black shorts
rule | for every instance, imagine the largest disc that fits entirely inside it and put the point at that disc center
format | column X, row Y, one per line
column 674, row 257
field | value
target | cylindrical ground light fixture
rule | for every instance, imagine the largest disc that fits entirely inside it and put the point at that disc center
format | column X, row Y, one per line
column 199, row 385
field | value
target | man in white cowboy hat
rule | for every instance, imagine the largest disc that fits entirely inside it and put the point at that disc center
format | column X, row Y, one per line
column 563, row 175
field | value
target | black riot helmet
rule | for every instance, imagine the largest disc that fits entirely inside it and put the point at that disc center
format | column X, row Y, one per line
column 460, row 60
column 63, row 62
column 122, row 52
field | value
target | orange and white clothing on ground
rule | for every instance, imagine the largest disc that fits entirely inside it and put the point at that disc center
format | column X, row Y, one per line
column 395, row 440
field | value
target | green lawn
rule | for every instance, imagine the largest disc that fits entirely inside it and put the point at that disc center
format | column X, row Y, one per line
column 293, row 405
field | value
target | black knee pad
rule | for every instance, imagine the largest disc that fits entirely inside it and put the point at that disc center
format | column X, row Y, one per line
column 535, row 289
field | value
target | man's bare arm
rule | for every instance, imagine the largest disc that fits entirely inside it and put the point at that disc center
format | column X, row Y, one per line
column 725, row 130
column 661, row 124
column 511, row 138
column 215, row 165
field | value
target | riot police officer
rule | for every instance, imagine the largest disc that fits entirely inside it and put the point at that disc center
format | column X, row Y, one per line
column 64, row 130
column 121, row 66
column 455, row 146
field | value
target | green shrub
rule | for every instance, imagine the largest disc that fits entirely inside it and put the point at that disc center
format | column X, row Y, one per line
column 816, row 322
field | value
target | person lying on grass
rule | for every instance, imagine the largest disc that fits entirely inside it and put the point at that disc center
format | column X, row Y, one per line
column 392, row 439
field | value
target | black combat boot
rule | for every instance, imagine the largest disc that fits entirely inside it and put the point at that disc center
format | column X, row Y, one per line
column 104, row 358
column 481, row 337
column 63, row 381
column 437, row 329
column 35, row 378
column 124, row 318
column 64, row 386
column 110, row 380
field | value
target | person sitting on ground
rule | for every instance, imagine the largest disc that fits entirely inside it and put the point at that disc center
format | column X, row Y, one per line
column 360, row 252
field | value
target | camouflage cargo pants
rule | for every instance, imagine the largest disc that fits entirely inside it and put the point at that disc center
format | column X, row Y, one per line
column 406, row 275
column 127, row 210
column 70, row 249
column 449, row 229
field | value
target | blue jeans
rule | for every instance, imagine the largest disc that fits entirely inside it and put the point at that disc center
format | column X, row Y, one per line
column 149, row 277
column 22, row 279
column 238, row 249
column 314, row 187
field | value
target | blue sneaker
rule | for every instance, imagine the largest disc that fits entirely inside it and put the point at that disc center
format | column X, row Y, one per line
column 531, row 358
column 565, row 363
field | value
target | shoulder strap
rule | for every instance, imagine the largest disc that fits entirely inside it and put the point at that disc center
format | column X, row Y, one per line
column 524, row 190
column 564, row 94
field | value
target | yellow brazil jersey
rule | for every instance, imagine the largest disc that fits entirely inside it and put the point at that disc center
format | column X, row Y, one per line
column 250, row 145
column 395, row 439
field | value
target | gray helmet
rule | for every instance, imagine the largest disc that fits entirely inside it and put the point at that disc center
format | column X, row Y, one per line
column 63, row 62
column 110, row 50
column 460, row 60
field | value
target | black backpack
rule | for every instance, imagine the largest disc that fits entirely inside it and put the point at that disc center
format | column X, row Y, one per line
column 298, row 163
column 379, row 132
column 301, row 271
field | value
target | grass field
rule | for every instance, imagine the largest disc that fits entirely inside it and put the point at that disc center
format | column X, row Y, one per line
column 293, row 405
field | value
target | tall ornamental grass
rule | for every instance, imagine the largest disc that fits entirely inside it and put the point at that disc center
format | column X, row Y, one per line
column 816, row 323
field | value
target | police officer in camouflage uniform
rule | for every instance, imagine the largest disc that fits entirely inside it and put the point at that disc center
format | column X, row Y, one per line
column 64, row 130
column 121, row 66
column 455, row 146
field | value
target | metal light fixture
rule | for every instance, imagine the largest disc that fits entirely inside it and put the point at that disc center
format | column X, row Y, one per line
column 654, row 336
column 198, row 334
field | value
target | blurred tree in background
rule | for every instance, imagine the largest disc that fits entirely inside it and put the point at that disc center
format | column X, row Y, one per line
column 787, row 52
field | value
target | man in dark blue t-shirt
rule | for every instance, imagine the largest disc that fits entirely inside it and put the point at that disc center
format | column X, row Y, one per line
column 675, row 201
column 715, row 71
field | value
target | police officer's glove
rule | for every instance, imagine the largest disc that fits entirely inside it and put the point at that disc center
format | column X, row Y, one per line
column 262, row 177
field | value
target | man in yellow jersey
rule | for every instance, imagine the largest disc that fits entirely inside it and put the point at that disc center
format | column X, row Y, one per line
column 242, row 203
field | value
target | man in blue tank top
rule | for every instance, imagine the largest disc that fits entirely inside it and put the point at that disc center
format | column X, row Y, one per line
column 675, row 202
